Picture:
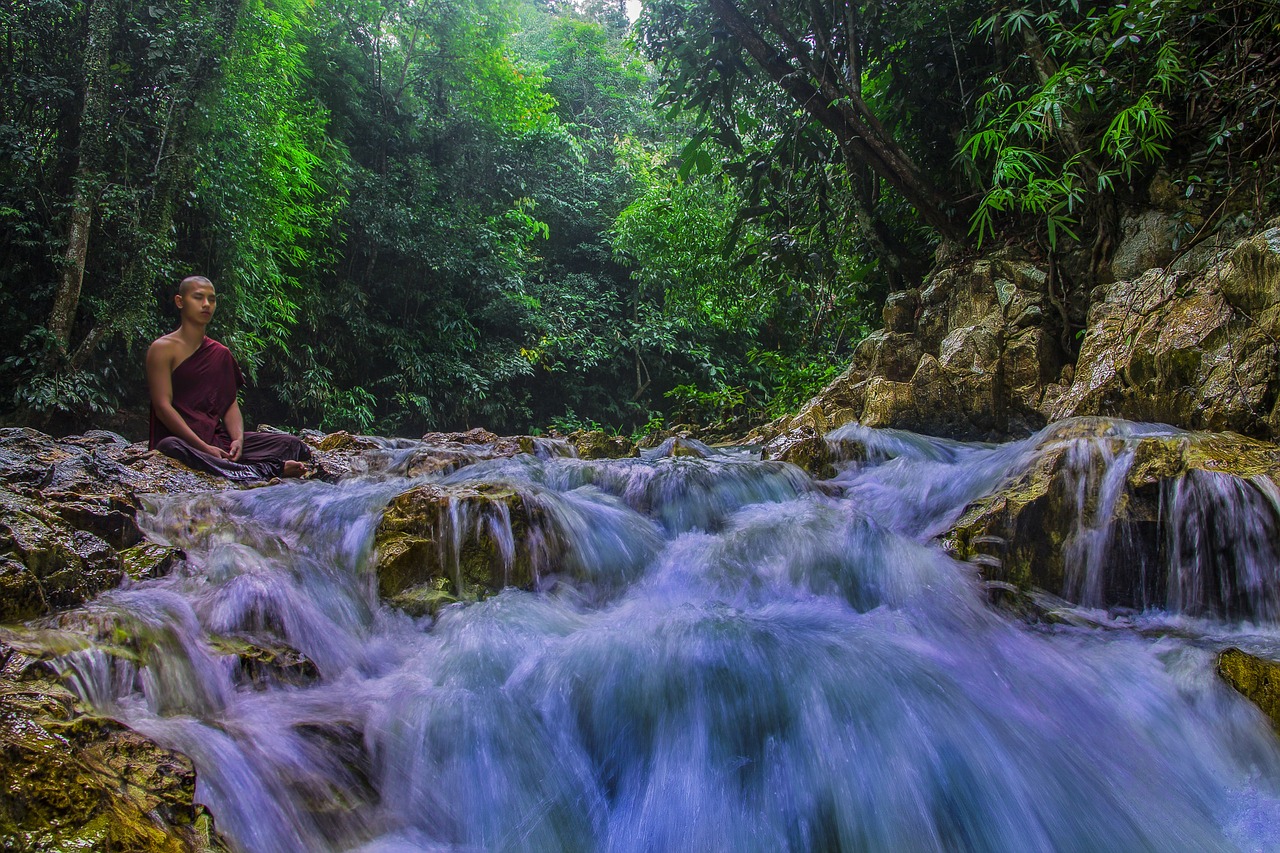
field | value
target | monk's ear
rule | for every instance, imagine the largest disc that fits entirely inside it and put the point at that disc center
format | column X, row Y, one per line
column 177, row 301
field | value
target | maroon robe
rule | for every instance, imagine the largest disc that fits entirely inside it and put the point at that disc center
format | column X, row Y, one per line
column 204, row 387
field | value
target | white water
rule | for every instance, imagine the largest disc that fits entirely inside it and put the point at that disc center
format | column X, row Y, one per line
column 747, row 663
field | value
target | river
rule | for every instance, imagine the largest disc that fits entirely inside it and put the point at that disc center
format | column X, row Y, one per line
column 723, row 655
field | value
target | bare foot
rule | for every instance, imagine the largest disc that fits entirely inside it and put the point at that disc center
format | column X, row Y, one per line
column 294, row 469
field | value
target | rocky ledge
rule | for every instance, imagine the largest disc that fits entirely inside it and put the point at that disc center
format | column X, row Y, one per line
column 990, row 349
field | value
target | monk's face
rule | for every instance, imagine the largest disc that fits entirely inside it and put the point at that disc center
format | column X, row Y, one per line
column 196, row 303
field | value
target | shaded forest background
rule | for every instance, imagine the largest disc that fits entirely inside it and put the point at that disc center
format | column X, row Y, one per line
column 521, row 214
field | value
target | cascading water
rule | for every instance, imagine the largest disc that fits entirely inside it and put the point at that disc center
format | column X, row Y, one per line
column 765, row 665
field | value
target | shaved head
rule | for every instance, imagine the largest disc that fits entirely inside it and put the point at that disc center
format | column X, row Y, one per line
column 184, row 287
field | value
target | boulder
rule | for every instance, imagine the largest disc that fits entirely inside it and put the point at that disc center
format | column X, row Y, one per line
column 45, row 563
column 968, row 356
column 1256, row 679
column 802, row 446
column 597, row 444
column 439, row 543
column 72, row 781
column 1196, row 347
column 1105, row 515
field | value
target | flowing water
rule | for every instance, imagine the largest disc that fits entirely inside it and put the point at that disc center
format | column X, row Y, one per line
column 729, row 657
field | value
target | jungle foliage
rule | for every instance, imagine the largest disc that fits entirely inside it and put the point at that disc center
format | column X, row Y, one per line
column 519, row 213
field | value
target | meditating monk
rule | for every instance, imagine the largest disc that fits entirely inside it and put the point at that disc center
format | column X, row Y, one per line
column 195, row 417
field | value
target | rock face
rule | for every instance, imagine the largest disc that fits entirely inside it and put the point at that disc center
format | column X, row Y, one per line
column 979, row 351
column 967, row 356
column 70, row 781
column 1194, row 348
column 1107, row 517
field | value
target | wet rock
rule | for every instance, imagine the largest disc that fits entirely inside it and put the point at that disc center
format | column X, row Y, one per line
column 597, row 444
column 266, row 663
column 45, row 563
column 1106, row 517
column 442, row 452
column 1256, row 679
column 802, row 446
column 150, row 560
column 465, row 541
column 71, row 781
column 343, row 440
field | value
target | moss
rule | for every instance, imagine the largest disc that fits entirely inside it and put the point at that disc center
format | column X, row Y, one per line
column 1256, row 679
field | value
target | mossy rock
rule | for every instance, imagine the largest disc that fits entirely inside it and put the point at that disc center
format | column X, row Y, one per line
column 451, row 539
column 45, row 564
column 1256, row 679
column 597, row 444
column 1019, row 533
column 151, row 560
column 265, row 663
column 72, row 781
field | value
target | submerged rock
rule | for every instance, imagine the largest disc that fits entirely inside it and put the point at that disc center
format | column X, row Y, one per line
column 1256, row 679
column 1108, row 516
column 72, row 781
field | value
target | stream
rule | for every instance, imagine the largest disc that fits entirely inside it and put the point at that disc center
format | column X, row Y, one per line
column 724, row 655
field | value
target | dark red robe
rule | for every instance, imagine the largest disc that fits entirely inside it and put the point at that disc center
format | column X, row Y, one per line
column 204, row 387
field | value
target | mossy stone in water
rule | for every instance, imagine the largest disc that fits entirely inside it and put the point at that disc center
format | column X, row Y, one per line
column 1257, row 679
column 74, row 782
column 447, row 538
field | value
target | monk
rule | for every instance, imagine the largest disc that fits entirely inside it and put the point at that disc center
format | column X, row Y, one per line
column 195, row 417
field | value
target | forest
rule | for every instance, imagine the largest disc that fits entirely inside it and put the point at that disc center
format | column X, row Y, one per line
column 547, row 214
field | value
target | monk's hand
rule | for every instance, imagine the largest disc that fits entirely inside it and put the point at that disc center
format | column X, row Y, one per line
column 237, row 445
column 214, row 450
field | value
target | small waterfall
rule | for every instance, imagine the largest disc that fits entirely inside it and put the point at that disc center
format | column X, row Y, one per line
column 1096, row 473
column 714, row 653
column 1223, row 553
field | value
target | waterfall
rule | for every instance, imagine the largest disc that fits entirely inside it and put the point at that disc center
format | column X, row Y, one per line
column 717, row 654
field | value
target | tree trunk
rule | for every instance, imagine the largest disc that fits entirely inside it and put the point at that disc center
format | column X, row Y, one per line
column 88, row 178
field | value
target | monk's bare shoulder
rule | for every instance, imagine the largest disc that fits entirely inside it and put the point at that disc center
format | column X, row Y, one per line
column 165, row 351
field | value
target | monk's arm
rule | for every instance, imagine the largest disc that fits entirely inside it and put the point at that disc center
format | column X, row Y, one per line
column 234, row 422
column 160, row 384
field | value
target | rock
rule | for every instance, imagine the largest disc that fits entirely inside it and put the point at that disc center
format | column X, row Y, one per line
column 1256, row 679
column 344, row 440
column 464, row 541
column 1196, row 348
column 150, row 560
column 265, row 663
column 967, row 357
column 71, row 781
column 442, row 452
column 802, row 446
column 1106, row 516
column 597, row 444
column 45, row 564
column 900, row 309
column 1146, row 242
